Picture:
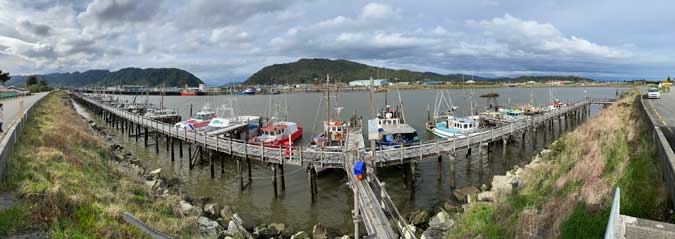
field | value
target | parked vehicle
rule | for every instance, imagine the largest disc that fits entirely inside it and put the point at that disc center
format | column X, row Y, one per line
column 653, row 93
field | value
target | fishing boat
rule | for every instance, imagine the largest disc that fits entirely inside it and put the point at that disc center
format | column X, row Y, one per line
column 456, row 127
column 199, row 120
column 162, row 115
column 392, row 130
column 188, row 92
column 447, row 125
column 277, row 134
column 228, row 124
column 555, row 105
column 249, row 91
column 335, row 132
column 241, row 127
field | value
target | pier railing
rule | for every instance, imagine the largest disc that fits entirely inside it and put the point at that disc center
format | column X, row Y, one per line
column 329, row 159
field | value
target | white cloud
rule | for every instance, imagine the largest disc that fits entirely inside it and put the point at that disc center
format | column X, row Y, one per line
column 531, row 37
column 376, row 11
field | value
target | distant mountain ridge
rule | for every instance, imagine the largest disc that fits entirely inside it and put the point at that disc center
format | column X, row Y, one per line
column 307, row 70
column 314, row 71
column 169, row 77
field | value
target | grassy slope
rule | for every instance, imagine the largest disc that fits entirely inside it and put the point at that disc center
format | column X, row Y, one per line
column 68, row 188
column 570, row 196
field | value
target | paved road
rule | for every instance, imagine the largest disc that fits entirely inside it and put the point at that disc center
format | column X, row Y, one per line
column 664, row 109
column 11, row 107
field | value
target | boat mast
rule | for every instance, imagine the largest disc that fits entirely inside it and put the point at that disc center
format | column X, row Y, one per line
column 161, row 99
column 328, row 98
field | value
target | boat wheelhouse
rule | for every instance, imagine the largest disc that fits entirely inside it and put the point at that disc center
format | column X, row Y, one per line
column 456, row 127
column 511, row 114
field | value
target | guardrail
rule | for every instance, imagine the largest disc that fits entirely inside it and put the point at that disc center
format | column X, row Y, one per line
column 614, row 215
column 13, row 131
column 663, row 149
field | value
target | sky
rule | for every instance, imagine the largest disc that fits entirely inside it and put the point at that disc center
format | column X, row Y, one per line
column 228, row 40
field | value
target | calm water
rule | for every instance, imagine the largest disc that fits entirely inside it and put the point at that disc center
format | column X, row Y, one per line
column 334, row 203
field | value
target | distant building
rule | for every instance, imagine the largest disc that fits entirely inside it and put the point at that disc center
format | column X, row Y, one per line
column 376, row 83
column 403, row 83
column 133, row 88
column 531, row 82
column 433, row 83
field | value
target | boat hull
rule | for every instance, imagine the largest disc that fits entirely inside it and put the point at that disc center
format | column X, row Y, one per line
column 282, row 141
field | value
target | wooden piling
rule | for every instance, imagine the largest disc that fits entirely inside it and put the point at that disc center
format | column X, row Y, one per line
column 180, row 148
column 283, row 180
column 145, row 136
column 440, row 168
column 274, row 180
column 173, row 155
column 413, row 169
column 213, row 173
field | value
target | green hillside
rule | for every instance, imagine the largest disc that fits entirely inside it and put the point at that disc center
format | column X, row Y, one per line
column 315, row 70
column 168, row 77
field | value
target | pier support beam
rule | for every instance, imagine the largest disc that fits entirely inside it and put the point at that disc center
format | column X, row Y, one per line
column 213, row 173
column 156, row 142
column 312, row 182
column 440, row 168
column 283, row 180
column 452, row 170
column 274, row 180
column 145, row 136
column 180, row 148
column 173, row 155
column 413, row 169
column 241, row 174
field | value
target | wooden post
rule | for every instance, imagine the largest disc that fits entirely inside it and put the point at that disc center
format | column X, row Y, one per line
column 311, row 183
column 173, row 155
column 248, row 164
column 413, row 166
column 241, row 175
column 145, row 136
column 440, row 168
column 156, row 142
column 180, row 148
column 452, row 170
column 283, row 180
column 213, row 173
column 274, row 180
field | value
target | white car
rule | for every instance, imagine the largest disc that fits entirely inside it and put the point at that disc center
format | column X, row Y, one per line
column 653, row 93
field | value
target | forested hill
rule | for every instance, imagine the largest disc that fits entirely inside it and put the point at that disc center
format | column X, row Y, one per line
column 522, row 79
column 168, row 77
column 307, row 70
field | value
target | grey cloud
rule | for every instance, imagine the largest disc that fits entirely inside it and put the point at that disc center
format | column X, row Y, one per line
column 35, row 29
column 208, row 13
column 104, row 11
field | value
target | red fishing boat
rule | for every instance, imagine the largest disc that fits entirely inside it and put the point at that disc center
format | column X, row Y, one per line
column 188, row 92
column 278, row 134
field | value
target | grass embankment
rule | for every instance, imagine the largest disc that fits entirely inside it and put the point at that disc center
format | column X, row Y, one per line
column 69, row 188
column 570, row 194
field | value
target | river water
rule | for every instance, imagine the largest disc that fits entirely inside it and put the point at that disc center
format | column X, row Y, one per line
column 334, row 203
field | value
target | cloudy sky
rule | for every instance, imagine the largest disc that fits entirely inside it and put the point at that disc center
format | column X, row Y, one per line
column 227, row 40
